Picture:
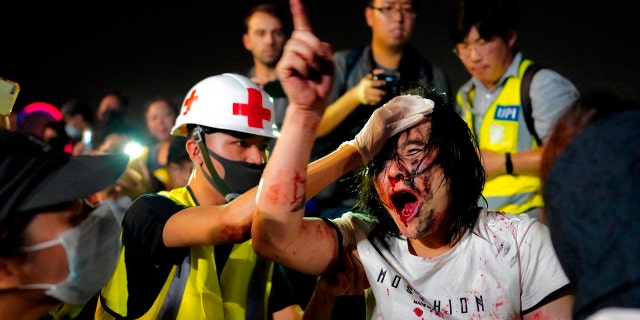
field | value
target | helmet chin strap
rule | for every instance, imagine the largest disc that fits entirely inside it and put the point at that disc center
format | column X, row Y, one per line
column 214, row 178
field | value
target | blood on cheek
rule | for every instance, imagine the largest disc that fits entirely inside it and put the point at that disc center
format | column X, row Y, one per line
column 381, row 181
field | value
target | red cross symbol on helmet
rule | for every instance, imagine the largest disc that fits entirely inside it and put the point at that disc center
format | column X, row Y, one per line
column 253, row 109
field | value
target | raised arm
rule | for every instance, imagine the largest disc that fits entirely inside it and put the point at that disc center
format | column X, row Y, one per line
column 306, row 72
column 280, row 232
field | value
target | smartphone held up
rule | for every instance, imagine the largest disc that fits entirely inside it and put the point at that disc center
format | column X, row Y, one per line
column 8, row 93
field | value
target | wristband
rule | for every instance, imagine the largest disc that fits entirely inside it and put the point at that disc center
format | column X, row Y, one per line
column 508, row 164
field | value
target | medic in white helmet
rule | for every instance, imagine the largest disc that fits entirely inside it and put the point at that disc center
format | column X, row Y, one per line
column 228, row 103
column 187, row 253
column 179, row 262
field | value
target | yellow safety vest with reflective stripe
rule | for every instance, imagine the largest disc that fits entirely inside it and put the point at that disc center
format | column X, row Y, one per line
column 201, row 295
column 503, row 126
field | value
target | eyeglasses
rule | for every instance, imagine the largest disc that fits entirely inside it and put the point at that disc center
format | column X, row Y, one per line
column 407, row 11
column 481, row 46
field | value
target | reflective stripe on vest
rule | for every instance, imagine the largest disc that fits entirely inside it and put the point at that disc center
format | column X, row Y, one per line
column 504, row 130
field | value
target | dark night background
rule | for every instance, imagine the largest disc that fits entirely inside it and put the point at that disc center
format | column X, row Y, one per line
column 62, row 50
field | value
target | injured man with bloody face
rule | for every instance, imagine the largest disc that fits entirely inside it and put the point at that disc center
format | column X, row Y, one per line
column 427, row 248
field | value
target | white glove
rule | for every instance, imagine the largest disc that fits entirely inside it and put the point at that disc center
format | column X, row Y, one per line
column 395, row 116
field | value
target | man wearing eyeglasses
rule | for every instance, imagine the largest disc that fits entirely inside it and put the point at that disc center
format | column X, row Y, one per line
column 485, row 34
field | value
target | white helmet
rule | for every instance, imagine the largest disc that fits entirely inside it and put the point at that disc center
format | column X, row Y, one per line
column 227, row 101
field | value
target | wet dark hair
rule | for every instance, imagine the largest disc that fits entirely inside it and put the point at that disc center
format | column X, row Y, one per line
column 492, row 18
column 454, row 149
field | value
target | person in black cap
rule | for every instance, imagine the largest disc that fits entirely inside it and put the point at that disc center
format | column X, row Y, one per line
column 591, row 206
column 54, row 246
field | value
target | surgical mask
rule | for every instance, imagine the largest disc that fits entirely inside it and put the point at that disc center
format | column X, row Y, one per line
column 92, row 248
column 239, row 176
column 73, row 132
column 118, row 206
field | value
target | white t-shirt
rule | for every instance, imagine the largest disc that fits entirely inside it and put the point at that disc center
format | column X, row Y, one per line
column 507, row 264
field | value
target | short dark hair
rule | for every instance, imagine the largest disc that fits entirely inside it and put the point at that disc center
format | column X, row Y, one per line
column 117, row 93
column 270, row 9
column 492, row 18
column 76, row 106
column 162, row 98
column 416, row 4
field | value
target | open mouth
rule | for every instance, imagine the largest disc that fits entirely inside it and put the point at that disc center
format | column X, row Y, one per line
column 405, row 204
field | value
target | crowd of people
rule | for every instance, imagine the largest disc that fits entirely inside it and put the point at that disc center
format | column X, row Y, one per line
column 322, row 184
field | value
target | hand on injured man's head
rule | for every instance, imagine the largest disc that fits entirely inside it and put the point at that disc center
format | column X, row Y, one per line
column 395, row 116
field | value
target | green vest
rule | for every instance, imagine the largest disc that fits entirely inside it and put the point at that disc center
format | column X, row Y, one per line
column 503, row 126
column 200, row 294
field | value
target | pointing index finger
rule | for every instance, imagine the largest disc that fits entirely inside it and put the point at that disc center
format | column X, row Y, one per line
column 299, row 14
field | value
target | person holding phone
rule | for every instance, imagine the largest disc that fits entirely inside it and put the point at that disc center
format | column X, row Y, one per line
column 366, row 77
column 8, row 93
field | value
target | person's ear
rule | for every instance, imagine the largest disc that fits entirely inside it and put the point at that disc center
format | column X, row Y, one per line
column 368, row 16
column 246, row 41
column 512, row 37
column 194, row 151
column 9, row 278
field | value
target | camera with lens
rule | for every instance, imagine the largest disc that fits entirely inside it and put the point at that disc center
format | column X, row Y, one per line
column 390, row 85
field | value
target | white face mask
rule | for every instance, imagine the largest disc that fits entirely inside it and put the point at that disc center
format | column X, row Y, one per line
column 93, row 249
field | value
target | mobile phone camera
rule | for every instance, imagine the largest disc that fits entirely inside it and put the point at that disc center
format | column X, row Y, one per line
column 390, row 85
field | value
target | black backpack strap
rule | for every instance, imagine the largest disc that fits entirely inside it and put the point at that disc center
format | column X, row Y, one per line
column 525, row 99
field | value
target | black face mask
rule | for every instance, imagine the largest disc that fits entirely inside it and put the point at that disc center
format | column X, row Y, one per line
column 239, row 176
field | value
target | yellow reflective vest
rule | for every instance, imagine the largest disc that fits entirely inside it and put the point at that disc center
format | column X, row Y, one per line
column 503, row 130
column 194, row 287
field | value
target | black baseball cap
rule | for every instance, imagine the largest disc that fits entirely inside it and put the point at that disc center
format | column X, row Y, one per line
column 33, row 174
